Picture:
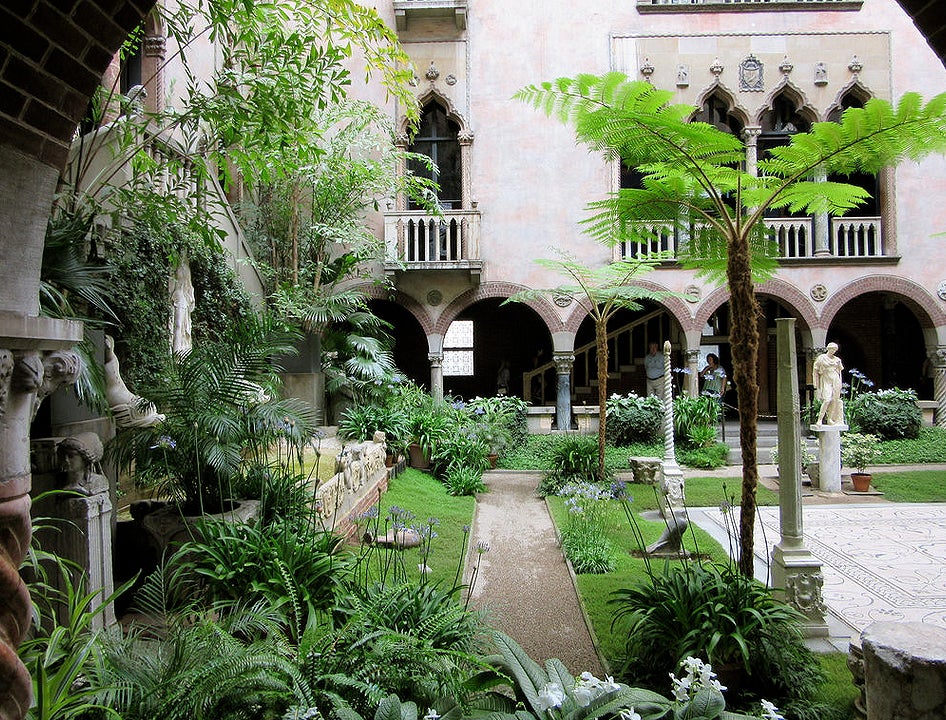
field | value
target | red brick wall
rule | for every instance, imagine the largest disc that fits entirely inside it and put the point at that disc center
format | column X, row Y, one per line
column 52, row 56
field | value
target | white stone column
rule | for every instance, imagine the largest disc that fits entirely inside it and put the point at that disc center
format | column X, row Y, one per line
column 692, row 384
column 564, row 362
column 750, row 135
column 821, row 227
column 796, row 573
column 672, row 476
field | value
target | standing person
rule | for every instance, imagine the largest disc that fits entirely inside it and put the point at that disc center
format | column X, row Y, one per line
column 714, row 377
column 826, row 374
column 654, row 367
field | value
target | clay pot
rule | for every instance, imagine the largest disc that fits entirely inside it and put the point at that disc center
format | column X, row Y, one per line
column 418, row 457
column 861, row 481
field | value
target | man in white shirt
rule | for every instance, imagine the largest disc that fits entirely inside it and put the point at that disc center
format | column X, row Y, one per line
column 654, row 367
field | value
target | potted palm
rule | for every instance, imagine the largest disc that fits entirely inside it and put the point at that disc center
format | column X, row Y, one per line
column 858, row 451
column 222, row 414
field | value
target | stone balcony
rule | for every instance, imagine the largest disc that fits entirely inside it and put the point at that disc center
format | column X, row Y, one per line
column 856, row 238
column 406, row 10
column 419, row 240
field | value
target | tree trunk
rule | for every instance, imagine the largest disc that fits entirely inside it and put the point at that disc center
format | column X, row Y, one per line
column 744, row 343
column 601, row 342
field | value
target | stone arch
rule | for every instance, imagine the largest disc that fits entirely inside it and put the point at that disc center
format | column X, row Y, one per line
column 720, row 89
column 488, row 290
column 787, row 88
column 925, row 306
column 377, row 292
column 678, row 309
column 54, row 61
column 856, row 87
column 436, row 95
column 793, row 298
column 784, row 292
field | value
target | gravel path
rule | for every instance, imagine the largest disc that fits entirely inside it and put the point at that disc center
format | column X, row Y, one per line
column 524, row 583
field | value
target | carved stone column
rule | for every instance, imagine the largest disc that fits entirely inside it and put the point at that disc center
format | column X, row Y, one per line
column 436, row 375
column 154, row 51
column 465, row 138
column 937, row 359
column 750, row 135
column 564, row 362
column 821, row 227
column 29, row 371
column 795, row 571
column 672, row 480
column 693, row 372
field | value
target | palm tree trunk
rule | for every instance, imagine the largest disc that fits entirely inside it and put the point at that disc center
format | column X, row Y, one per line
column 601, row 343
column 744, row 342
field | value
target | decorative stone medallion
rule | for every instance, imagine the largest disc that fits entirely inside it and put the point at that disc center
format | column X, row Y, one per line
column 432, row 72
column 434, row 298
column 562, row 300
column 692, row 293
column 451, row 79
column 941, row 290
column 818, row 292
column 751, row 75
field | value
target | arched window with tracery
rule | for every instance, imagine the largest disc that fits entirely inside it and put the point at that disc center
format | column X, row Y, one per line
column 856, row 97
column 438, row 138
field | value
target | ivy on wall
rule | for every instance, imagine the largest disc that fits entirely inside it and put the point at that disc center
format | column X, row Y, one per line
column 143, row 257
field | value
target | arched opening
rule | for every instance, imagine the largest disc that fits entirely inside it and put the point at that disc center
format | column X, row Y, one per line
column 410, row 342
column 856, row 97
column 512, row 333
column 629, row 334
column 880, row 335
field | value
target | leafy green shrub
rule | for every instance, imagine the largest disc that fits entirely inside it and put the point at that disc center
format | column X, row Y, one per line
column 859, row 450
column 930, row 446
column 464, row 480
column 715, row 613
column 889, row 414
column 710, row 457
column 572, row 458
column 632, row 418
column 507, row 411
column 460, row 449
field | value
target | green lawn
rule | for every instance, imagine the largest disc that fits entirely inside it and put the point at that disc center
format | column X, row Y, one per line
column 595, row 590
column 911, row 486
column 425, row 497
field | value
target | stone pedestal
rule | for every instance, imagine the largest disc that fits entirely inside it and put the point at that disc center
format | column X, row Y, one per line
column 829, row 455
column 905, row 671
column 563, row 398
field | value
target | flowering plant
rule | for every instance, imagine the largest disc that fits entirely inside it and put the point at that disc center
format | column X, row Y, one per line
column 858, row 451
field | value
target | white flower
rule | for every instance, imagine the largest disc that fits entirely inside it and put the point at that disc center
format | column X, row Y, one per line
column 432, row 714
column 629, row 714
column 770, row 712
column 681, row 687
column 551, row 695
column 584, row 694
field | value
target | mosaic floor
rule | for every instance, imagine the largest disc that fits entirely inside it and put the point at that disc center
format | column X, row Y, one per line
column 879, row 562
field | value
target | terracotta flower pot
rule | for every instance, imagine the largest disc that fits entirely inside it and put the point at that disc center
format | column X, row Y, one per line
column 418, row 457
column 861, row 481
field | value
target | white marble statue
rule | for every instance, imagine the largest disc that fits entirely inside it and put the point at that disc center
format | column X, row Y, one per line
column 128, row 409
column 182, row 302
column 826, row 374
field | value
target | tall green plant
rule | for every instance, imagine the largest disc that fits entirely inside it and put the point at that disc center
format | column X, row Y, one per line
column 697, row 175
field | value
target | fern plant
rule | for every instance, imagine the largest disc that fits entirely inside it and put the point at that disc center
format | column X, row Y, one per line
column 694, row 173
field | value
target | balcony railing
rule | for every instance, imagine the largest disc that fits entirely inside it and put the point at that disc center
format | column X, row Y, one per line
column 421, row 240
column 744, row 5
column 850, row 237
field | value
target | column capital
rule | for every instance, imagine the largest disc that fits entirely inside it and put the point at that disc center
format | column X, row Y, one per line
column 435, row 359
column 937, row 356
column 750, row 133
column 564, row 362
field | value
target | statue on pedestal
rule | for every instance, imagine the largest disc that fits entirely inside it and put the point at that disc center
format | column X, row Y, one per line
column 826, row 374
